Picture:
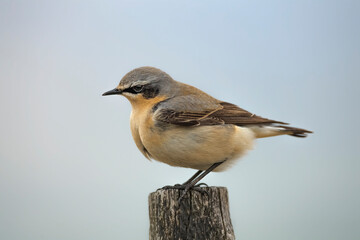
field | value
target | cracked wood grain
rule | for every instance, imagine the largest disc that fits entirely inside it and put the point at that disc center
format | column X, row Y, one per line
column 198, row 216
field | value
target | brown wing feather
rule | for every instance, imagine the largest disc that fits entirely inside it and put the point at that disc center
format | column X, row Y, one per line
column 227, row 113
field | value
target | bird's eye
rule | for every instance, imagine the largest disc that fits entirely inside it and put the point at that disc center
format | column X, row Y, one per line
column 138, row 88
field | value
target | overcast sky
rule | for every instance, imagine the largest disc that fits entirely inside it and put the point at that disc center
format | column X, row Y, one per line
column 69, row 168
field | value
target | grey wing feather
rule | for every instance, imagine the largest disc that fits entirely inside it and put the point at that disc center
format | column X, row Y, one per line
column 179, row 111
column 191, row 111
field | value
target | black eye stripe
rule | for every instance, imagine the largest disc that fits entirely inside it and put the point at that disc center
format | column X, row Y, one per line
column 146, row 90
column 134, row 90
column 130, row 90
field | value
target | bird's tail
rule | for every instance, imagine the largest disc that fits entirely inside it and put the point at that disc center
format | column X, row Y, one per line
column 270, row 131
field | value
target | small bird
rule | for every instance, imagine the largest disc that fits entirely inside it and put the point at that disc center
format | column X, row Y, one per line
column 182, row 126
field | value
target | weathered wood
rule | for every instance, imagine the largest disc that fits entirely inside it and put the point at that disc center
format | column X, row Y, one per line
column 198, row 216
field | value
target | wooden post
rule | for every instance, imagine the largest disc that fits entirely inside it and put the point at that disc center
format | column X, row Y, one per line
column 198, row 216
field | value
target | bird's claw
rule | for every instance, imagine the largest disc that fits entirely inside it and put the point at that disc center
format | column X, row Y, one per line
column 198, row 188
column 176, row 186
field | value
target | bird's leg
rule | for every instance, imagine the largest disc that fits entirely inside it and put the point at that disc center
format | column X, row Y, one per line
column 191, row 183
column 197, row 179
column 193, row 177
column 182, row 186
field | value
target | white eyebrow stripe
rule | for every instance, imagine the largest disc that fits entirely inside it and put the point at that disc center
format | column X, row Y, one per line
column 139, row 83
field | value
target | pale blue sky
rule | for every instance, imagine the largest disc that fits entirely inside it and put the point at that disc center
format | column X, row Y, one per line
column 69, row 168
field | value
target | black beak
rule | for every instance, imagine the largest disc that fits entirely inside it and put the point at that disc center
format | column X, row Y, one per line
column 115, row 91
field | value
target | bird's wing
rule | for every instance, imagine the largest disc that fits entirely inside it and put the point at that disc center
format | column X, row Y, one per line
column 221, row 113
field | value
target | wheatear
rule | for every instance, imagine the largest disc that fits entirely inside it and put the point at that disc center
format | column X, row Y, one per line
column 182, row 126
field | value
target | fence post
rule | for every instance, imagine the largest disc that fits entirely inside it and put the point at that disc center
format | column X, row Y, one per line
column 198, row 216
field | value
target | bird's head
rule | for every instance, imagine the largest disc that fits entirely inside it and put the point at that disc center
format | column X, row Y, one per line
column 144, row 84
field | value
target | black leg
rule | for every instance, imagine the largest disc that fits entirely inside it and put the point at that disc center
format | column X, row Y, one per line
column 182, row 186
column 193, row 177
column 196, row 180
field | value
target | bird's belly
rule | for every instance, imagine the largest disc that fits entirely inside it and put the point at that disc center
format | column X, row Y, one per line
column 197, row 147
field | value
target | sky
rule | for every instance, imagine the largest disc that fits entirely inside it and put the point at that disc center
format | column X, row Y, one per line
column 69, row 168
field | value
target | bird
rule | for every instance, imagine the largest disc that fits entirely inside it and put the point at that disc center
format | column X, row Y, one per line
column 182, row 126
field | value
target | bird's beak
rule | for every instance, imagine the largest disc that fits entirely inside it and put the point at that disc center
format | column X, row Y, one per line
column 115, row 91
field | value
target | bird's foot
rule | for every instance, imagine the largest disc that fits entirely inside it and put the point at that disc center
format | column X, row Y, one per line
column 197, row 187
column 176, row 186
column 186, row 188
